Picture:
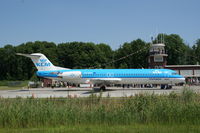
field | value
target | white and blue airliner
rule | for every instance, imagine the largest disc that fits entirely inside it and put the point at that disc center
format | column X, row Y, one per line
column 165, row 77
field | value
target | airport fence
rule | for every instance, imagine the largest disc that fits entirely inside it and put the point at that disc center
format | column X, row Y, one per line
column 141, row 108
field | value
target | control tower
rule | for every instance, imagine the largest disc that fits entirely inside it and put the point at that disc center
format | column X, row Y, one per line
column 157, row 56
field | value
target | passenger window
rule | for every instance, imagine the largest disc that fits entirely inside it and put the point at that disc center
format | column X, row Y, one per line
column 174, row 73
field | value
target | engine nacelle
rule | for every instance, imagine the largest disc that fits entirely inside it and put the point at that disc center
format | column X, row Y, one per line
column 70, row 75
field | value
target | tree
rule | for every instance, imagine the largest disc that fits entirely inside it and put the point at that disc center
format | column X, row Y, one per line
column 196, row 49
column 138, row 50
column 2, row 64
column 106, row 54
column 79, row 55
column 9, row 63
column 176, row 49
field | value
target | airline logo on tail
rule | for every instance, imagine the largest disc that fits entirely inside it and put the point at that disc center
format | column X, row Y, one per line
column 43, row 63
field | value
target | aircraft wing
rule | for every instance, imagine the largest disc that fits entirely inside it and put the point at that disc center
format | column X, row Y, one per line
column 105, row 80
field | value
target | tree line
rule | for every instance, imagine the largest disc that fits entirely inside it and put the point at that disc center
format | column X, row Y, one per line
column 76, row 55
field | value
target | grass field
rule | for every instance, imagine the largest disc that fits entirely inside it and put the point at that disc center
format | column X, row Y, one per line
column 12, row 85
column 134, row 128
column 9, row 88
column 140, row 113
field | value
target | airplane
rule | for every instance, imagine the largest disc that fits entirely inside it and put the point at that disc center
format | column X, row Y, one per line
column 165, row 77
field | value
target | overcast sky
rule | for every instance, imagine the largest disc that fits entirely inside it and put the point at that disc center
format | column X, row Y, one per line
column 100, row 21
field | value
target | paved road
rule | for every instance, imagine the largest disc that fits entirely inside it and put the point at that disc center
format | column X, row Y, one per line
column 85, row 92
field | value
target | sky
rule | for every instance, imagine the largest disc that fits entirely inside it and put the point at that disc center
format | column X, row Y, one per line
column 113, row 22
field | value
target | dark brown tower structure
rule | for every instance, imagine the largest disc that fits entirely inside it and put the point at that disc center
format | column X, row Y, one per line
column 157, row 56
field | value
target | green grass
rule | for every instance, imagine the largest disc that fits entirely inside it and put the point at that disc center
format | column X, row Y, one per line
column 96, row 113
column 134, row 128
column 9, row 88
column 12, row 85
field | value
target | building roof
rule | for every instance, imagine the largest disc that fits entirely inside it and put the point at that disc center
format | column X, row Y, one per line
column 182, row 66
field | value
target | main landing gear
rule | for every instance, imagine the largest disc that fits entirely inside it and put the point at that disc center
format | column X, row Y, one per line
column 102, row 88
column 163, row 86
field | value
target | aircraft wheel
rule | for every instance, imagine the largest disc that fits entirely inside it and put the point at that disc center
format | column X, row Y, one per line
column 162, row 87
column 169, row 87
column 103, row 88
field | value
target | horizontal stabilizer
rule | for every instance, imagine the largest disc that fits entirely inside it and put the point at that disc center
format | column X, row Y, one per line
column 28, row 55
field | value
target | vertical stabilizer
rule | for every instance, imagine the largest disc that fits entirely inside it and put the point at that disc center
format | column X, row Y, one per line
column 40, row 61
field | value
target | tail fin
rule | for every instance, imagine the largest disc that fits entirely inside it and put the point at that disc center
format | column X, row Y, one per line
column 40, row 61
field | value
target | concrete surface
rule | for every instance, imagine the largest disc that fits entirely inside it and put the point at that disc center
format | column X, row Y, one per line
column 85, row 92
